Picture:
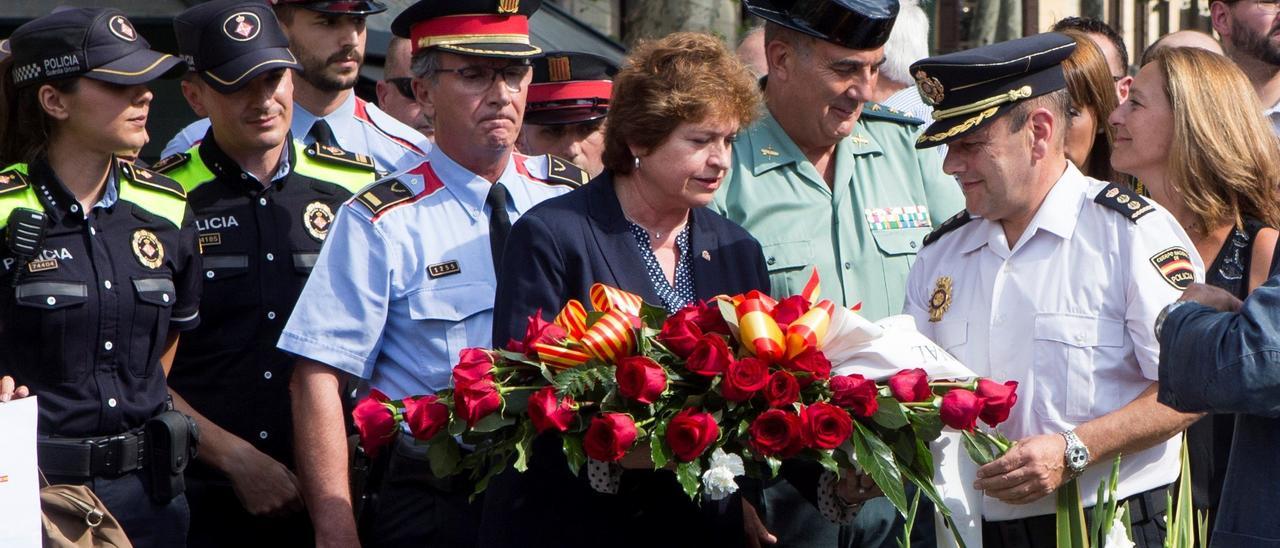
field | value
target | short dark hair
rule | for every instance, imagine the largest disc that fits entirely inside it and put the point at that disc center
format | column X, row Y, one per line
column 1094, row 26
column 1057, row 102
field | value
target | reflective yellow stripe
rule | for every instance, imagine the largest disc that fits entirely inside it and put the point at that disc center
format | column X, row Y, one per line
column 13, row 200
column 193, row 173
column 349, row 177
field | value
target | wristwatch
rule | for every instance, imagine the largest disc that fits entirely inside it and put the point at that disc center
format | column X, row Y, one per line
column 1164, row 313
column 1076, row 455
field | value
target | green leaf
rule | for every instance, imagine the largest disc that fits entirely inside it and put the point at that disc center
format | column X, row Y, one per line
column 890, row 414
column 579, row 380
column 1069, row 517
column 592, row 317
column 652, row 316
column 658, row 450
column 524, row 446
column 905, row 540
column 497, row 464
column 924, row 481
column 828, row 462
column 978, row 451
column 928, row 426
column 877, row 460
column 774, row 466
column 573, row 454
column 456, row 425
column 443, row 456
column 492, row 423
column 688, row 474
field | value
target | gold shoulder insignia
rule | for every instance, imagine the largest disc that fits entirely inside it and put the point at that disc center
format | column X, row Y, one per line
column 380, row 197
column 956, row 221
column 562, row 171
column 147, row 178
column 11, row 181
column 1125, row 201
column 171, row 162
column 336, row 155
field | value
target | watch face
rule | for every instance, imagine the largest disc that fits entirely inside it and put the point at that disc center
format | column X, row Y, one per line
column 1078, row 458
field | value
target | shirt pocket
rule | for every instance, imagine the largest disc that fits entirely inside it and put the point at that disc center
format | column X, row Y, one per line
column 224, row 267
column 155, row 298
column 1065, row 349
column 787, row 263
column 446, row 315
column 47, row 317
column 900, row 241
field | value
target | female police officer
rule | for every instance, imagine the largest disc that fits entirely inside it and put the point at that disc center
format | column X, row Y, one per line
column 101, row 265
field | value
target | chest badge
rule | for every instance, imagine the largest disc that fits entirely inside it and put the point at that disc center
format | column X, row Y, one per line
column 440, row 270
column 147, row 248
column 317, row 218
column 940, row 300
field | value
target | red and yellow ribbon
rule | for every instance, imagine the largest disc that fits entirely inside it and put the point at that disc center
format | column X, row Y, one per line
column 609, row 338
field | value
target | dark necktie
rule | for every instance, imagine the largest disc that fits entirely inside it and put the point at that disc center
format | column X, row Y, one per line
column 322, row 133
column 499, row 222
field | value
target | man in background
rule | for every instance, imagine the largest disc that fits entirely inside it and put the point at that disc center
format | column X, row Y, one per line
column 1247, row 29
column 395, row 90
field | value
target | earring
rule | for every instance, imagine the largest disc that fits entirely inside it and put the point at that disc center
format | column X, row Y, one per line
column 637, row 168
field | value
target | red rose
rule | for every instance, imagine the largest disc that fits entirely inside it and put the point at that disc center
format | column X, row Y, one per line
column 609, row 437
column 777, row 433
column 680, row 335
column 789, row 310
column 812, row 364
column 477, row 400
column 744, row 378
column 856, row 393
column 782, row 389
column 690, row 432
column 960, row 409
column 710, row 357
column 910, row 385
column 826, row 426
column 640, row 379
column 547, row 411
column 709, row 318
column 426, row 416
column 474, row 364
column 375, row 420
column 538, row 331
column 997, row 400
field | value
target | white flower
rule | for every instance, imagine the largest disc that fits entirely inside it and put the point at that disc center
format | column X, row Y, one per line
column 1117, row 536
column 717, row 481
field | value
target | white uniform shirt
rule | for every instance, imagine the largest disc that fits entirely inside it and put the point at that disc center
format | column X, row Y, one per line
column 1068, row 313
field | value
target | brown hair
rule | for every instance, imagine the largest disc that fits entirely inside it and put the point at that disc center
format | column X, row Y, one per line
column 1223, row 158
column 25, row 128
column 684, row 77
column 1089, row 81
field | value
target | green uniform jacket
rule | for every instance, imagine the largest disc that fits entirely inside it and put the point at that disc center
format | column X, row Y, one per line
column 862, row 234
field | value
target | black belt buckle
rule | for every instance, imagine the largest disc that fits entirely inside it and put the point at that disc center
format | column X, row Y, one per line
column 115, row 455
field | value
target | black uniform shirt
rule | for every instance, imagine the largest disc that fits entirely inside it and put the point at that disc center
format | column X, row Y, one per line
column 259, row 244
column 85, row 323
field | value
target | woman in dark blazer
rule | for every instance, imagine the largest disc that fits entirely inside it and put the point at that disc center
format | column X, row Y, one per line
column 640, row 226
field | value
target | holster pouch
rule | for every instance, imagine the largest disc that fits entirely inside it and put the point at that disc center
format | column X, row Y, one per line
column 171, row 444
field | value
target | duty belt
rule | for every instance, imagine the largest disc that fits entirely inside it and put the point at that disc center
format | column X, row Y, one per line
column 108, row 456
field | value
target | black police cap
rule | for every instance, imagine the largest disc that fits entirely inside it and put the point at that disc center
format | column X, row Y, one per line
column 95, row 43
column 854, row 24
column 569, row 88
column 230, row 42
column 483, row 28
column 336, row 7
column 968, row 89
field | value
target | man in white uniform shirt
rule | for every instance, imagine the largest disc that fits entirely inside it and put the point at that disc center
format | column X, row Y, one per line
column 1054, row 280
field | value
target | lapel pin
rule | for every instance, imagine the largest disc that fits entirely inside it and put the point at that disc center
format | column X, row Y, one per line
column 706, row 255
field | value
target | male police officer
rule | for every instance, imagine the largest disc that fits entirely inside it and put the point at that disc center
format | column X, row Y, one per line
column 1051, row 279
column 568, row 101
column 328, row 38
column 263, row 206
column 406, row 280
column 827, row 179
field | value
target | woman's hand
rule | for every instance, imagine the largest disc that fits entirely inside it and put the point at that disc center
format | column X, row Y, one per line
column 10, row 391
column 856, row 487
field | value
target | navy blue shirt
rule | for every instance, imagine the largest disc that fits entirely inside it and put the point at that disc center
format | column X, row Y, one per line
column 86, row 321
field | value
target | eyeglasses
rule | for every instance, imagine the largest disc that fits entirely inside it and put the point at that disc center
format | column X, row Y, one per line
column 404, row 85
column 475, row 79
column 1268, row 6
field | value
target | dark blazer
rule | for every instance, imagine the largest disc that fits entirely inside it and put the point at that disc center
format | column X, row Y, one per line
column 554, row 253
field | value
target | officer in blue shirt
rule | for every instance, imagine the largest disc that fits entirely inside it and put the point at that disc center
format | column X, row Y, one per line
column 99, row 267
column 328, row 38
column 406, row 279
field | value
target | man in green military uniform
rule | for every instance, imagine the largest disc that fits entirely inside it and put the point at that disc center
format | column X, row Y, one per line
column 827, row 180
column 263, row 204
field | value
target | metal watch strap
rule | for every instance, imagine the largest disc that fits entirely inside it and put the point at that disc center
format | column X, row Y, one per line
column 1164, row 314
column 1076, row 456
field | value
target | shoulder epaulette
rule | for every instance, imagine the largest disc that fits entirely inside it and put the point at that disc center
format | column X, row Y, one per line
column 171, row 162
column 562, row 171
column 881, row 112
column 336, row 155
column 12, row 180
column 1125, row 200
column 149, row 179
column 956, row 221
column 381, row 196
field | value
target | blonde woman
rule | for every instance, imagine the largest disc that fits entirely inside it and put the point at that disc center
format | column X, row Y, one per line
column 1192, row 133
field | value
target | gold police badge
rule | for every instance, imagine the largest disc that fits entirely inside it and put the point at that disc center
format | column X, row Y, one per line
column 940, row 301
column 317, row 218
column 148, row 249
column 931, row 89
